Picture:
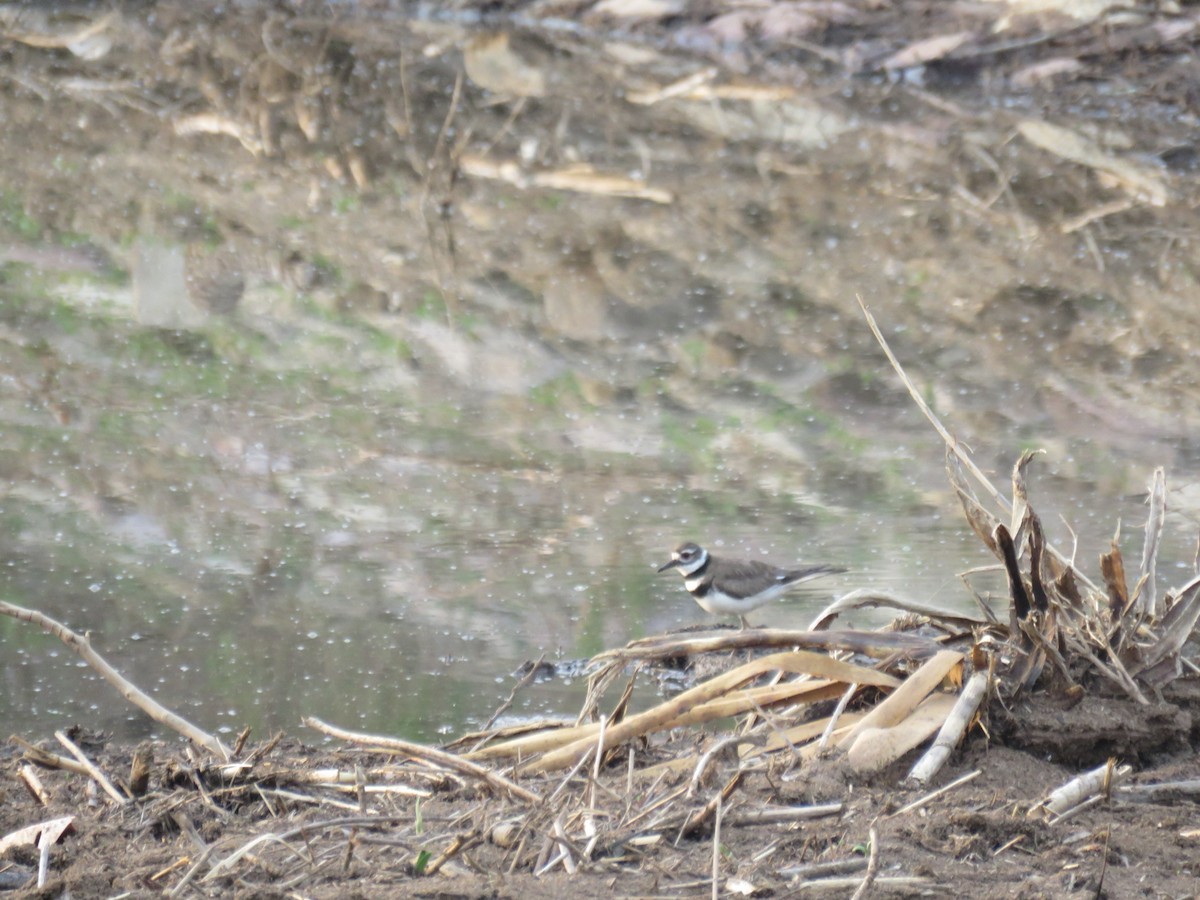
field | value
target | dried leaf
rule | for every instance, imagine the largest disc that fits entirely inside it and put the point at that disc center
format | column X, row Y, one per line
column 690, row 707
column 1045, row 70
column 491, row 63
column 982, row 522
column 781, row 21
column 1026, row 674
column 1037, row 543
column 1141, row 181
column 927, row 50
column 1016, row 586
column 875, row 748
column 1112, row 569
column 1020, row 495
column 40, row 835
column 1065, row 585
column 798, row 735
column 902, row 701
column 1177, row 627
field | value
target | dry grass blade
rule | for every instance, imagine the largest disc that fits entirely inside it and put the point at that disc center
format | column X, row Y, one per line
column 835, row 717
column 538, row 742
column 1160, row 662
column 867, row 643
column 824, row 869
column 784, row 815
column 867, row 599
column 705, row 814
column 599, row 681
column 670, row 713
column 716, row 852
column 581, row 178
column 1140, row 181
column 875, row 748
column 872, row 867
column 1147, row 598
column 905, row 698
column 458, row 845
column 798, row 735
column 428, row 754
column 478, row 740
column 952, row 444
column 524, row 682
column 756, row 698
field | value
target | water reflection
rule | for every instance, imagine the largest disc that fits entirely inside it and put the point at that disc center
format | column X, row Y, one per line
column 351, row 364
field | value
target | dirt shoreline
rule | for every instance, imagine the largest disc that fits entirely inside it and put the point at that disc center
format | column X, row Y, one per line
column 983, row 838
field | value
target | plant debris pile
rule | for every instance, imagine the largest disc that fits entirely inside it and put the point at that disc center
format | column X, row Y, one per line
column 816, row 784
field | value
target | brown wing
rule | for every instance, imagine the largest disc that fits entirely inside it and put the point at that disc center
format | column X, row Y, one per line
column 741, row 578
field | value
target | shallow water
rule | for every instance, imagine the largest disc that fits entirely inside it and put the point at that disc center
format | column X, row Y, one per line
column 326, row 405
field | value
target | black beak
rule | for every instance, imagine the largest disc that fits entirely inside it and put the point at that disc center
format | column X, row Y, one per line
column 668, row 565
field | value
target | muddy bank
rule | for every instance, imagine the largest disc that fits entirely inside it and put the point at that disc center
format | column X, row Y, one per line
column 462, row 190
column 282, row 289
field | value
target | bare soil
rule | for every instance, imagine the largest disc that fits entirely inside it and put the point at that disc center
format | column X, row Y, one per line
column 983, row 838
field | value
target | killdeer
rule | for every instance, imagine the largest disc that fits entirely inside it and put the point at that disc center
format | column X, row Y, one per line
column 734, row 586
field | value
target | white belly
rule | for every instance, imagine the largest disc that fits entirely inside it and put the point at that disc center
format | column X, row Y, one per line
column 723, row 605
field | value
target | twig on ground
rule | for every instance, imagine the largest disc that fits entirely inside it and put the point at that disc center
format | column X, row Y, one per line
column 827, row 734
column 1147, row 599
column 597, row 761
column 219, row 868
column 825, row 869
column 1098, row 781
column 933, row 795
column 525, row 681
column 780, row 815
column 698, row 818
column 952, row 731
column 460, row 843
column 871, row 599
column 82, row 646
column 428, row 754
column 1161, row 791
column 48, row 760
column 92, row 769
column 872, row 868
column 34, row 785
column 706, row 759
column 716, row 854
